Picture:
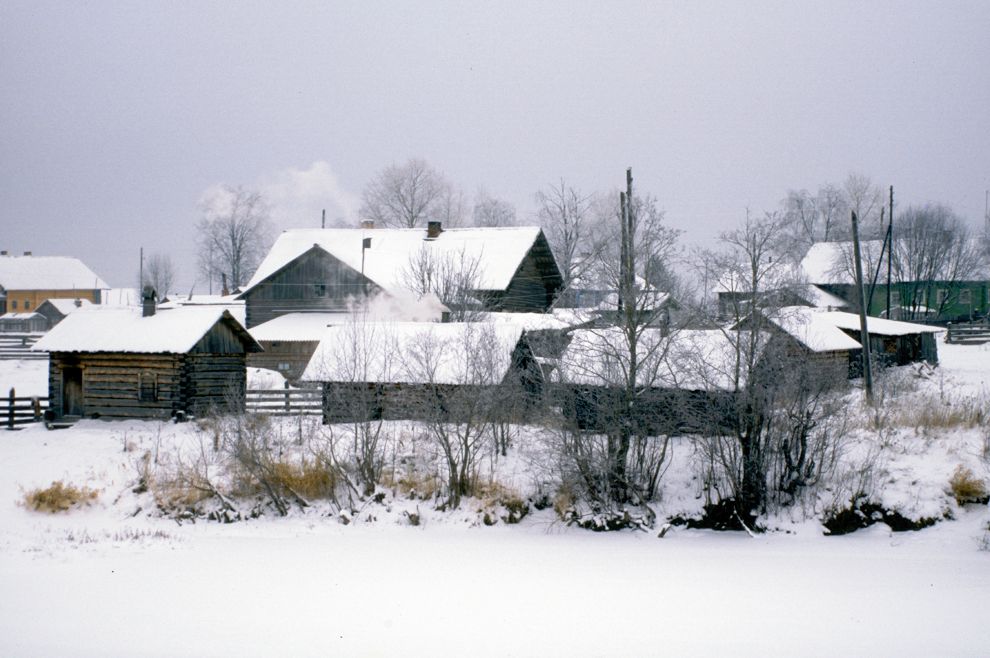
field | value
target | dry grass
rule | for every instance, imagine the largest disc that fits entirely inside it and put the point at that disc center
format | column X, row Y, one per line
column 412, row 484
column 59, row 497
column 307, row 478
column 966, row 487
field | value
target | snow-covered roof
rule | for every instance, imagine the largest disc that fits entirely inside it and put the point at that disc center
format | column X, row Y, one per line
column 20, row 316
column 498, row 251
column 687, row 360
column 47, row 273
column 878, row 326
column 820, row 298
column 66, row 306
column 100, row 329
column 832, row 262
column 477, row 353
column 813, row 329
column 297, row 327
column 528, row 321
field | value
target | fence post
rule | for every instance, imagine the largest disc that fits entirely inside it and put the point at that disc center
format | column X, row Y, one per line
column 10, row 410
column 36, row 404
column 287, row 408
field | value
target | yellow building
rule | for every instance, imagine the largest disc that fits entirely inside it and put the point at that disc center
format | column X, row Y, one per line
column 27, row 281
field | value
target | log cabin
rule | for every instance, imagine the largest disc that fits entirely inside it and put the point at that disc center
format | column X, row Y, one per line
column 135, row 363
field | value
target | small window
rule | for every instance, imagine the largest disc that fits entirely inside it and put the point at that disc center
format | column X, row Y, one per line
column 966, row 296
column 13, row 304
column 940, row 296
column 27, row 304
column 895, row 297
column 148, row 387
column 320, row 289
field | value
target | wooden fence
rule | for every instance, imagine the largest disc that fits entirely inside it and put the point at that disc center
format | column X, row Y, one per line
column 967, row 332
column 285, row 402
column 18, row 346
column 21, row 411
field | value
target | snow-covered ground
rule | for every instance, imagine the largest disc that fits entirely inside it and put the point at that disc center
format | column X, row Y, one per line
column 112, row 579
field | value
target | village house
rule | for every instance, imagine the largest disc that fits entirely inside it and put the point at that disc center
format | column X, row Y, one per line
column 327, row 270
column 27, row 281
column 686, row 380
column 829, row 266
column 56, row 310
column 136, row 363
column 417, row 370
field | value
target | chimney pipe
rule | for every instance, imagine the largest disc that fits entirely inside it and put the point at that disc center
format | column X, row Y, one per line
column 367, row 224
column 148, row 298
column 224, row 291
column 433, row 230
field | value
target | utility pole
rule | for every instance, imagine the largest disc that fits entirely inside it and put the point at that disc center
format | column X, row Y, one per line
column 323, row 222
column 890, row 245
column 864, row 335
column 141, row 272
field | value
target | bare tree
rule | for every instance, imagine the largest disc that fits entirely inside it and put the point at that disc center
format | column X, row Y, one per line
column 568, row 220
column 489, row 211
column 234, row 234
column 408, row 195
column 452, row 276
column 159, row 273
column 462, row 376
column 933, row 252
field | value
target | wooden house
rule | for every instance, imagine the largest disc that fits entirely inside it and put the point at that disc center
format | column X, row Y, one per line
column 811, row 337
column 329, row 270
column 686, row 380
column 129, row 363
column 425, row 371
column 27, row 281
column 23, row 323
column 55, row 310
column 891, row 342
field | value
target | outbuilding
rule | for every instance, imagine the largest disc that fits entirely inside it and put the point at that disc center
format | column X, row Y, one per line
column 125, row 363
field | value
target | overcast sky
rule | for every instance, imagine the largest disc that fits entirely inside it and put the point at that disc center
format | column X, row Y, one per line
column 116, row 118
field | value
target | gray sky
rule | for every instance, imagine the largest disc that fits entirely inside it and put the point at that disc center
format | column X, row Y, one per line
column 116, row 118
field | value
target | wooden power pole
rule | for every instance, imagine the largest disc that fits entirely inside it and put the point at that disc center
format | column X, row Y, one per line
column 864, row 334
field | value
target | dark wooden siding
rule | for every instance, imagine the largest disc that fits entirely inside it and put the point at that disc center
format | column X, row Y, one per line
column 536, row 283
column 213, row 381
column 111, row 383
column 293, row 354
column 316, row 281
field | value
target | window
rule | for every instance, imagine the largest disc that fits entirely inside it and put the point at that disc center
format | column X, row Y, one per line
column 895, row 297
column 147, row 387
column 940, row 296
column 13, row 304
column 27, row 304
column 283, row 366
column 320, row 289
column 966, row 296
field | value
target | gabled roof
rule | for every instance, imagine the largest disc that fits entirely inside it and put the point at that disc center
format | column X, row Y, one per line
column 499, row 251
column 471, row 353
column 175, row 331
column 47, row 273
column 297, row 327
column 819, row 298
column 66, row 306
column 814, row 329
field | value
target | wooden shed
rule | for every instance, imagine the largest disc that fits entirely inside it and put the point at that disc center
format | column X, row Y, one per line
column 425, row 371
column 122, row 363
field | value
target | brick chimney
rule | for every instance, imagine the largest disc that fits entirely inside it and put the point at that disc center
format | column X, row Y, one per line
column 433, row 230
column 148, row 298
column 367, row 224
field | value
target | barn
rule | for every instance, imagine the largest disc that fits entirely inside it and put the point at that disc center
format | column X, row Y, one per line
column 125, row 363
column 423, row 371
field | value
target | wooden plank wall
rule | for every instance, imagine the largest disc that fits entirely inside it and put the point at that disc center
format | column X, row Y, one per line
column 213, row 381
column 296, row 288
column 111, row 383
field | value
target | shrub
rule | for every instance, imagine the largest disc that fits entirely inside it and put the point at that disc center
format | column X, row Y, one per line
column 967, row 488
column 59, row 497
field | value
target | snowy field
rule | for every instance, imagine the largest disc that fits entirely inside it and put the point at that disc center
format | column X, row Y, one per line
column 112, row 579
